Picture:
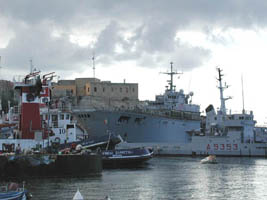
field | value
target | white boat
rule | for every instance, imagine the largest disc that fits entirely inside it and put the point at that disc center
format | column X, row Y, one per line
column 211, row 159
column 78, row 196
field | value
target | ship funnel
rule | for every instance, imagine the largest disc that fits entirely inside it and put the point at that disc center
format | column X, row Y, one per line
column 209, row 108
column 210, row 111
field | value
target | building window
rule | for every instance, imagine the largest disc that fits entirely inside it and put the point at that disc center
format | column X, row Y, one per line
column 95, row 89
column 62, row 117
column 126, row 90
column 103, row 89
column 112, row 89
column 133, row 89
column 88, row 89
column 120, row 89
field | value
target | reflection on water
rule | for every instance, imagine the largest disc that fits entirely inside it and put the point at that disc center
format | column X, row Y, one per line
column 166, row 178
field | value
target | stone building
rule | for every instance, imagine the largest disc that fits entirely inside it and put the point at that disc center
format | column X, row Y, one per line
column 93, row 87
column 119, row 91
column 64, row 88
column 81, row 85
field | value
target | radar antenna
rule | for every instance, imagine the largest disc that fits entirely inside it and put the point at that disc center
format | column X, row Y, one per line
column 221, row 88
column 243, row 101
column 172, row 73
column 31, row 66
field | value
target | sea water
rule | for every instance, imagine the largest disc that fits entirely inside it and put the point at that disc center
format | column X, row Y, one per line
column 165, row 178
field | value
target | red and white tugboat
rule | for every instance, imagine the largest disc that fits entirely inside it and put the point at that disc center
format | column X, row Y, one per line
column 40, row 124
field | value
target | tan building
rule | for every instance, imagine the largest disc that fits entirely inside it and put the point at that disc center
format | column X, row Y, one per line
column 95, row 88
column 64, row 88
column 112, row 90
column 81, row 85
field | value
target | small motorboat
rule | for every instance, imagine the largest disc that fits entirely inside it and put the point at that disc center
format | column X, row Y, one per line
column 211, row 159
column 121, row 158
column 12, row 191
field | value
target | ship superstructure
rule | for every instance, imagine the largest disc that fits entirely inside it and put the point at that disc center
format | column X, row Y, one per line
column 227, row 133
column 223, row 123
column 173, row 100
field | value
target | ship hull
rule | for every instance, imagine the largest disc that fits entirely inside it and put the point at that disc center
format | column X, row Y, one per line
column 204, row 146
column 167, row 136
column 138, row 128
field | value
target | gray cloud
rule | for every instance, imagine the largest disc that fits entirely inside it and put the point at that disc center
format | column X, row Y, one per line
column 38, row 43
column 153, row 26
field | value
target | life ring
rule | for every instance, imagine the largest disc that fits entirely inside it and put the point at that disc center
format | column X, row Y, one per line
column 57, row 140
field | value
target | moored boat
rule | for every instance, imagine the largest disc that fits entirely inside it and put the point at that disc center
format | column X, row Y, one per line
column 37, row 122
column 221, row 133
column 211, row 159
column 165, row 120
column 120, row 158
column 12, row 191
column 39, row 127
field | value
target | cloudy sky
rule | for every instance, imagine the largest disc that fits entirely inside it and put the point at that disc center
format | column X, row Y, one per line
column 135, row 40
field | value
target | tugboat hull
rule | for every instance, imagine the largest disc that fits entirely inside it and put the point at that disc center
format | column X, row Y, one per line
column 52, row 166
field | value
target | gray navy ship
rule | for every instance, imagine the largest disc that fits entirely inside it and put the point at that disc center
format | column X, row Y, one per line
column 167, row 119
column 172, row 125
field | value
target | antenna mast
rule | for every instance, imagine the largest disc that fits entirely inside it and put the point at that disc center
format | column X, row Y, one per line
column 31, row 66
column 172, row 73
column 93, row 58
column 223, row 108
column 243, row 101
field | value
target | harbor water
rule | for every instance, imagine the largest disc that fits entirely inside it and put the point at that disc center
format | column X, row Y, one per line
column 165, row 178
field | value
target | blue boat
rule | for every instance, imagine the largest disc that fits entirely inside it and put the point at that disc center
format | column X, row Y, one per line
column 12, row 192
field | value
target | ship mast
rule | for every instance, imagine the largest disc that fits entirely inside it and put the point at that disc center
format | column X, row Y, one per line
column 31, row 66
column 243, row 101
column 221, row 88
column 172, row 73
